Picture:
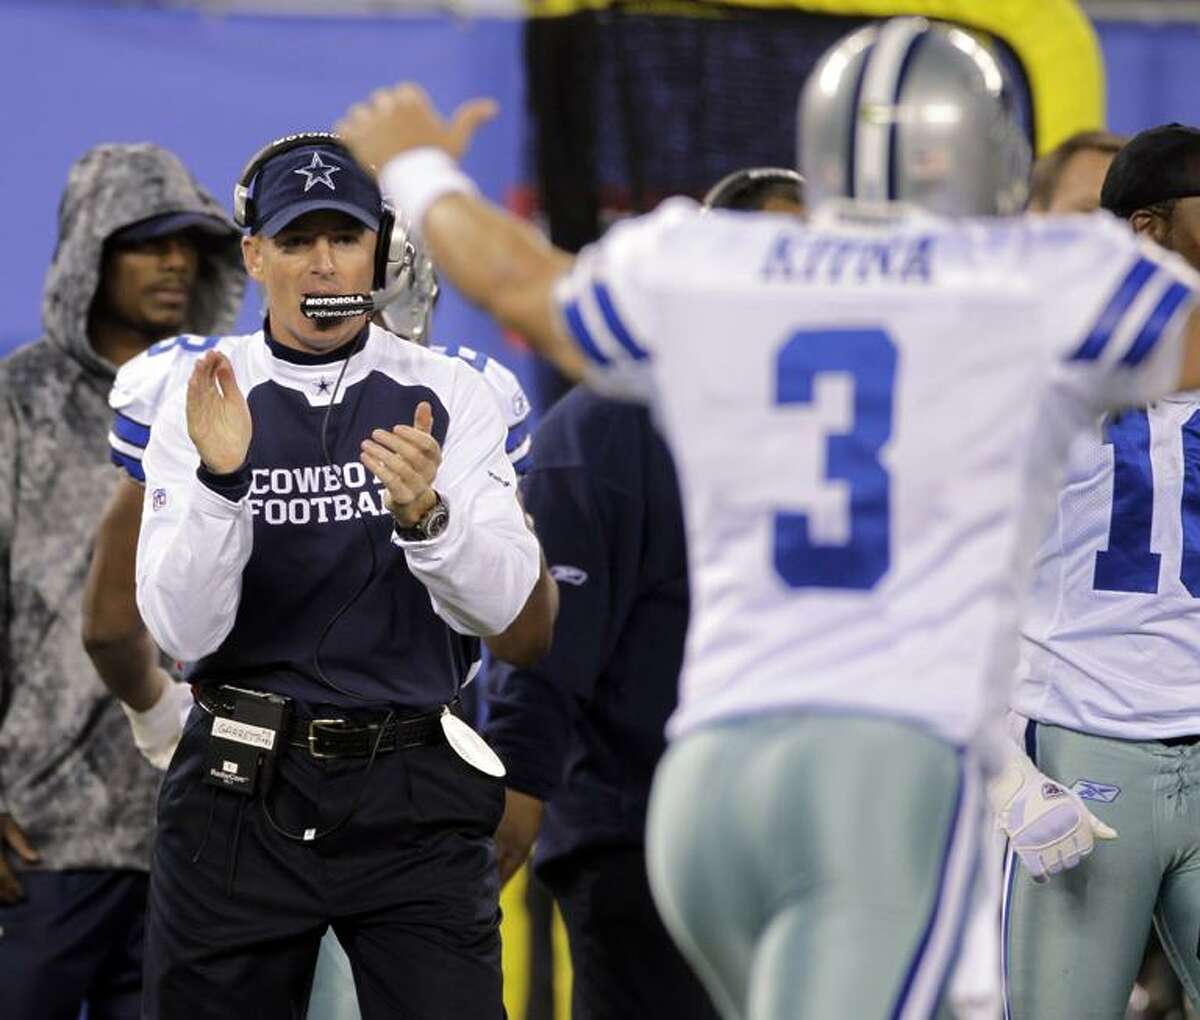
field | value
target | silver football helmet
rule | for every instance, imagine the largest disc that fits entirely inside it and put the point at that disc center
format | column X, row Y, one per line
column 909, row 110
column 409, row 314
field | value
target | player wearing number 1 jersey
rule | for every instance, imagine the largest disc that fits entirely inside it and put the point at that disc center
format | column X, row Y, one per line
column 861, row 473
column 1109, row 690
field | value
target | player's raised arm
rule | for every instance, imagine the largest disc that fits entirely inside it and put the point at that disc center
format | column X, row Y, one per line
column 495, row 259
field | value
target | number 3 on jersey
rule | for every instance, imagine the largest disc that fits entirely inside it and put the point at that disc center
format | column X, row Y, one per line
column 868, row 356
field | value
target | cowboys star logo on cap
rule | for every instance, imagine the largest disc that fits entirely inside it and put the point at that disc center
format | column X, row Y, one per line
column 318, row 172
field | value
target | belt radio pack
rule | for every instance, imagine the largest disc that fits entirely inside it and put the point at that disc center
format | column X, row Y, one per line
column 245, row 740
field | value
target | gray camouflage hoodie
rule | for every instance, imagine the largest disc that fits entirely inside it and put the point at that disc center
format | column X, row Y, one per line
column 69, row 772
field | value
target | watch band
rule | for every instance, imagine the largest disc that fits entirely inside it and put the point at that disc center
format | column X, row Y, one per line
column 432, row 523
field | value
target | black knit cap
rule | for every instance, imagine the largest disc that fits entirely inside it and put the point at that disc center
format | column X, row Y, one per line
column 1158, row 164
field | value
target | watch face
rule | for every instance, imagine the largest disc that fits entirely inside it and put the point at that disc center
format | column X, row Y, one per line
column 436, row 523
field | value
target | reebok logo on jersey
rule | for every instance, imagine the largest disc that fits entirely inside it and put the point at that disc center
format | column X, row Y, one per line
column 1052, row 790
column 568, row 575
column 158, row 499
column 1089, row 789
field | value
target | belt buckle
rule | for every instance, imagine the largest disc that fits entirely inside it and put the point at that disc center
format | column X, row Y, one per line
column 312, row 735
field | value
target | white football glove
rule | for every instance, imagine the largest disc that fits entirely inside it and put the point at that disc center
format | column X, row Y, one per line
column 1047, row 825
column 157, row 730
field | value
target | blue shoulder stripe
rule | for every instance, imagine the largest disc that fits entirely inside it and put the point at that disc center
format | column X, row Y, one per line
column 131, row 431
column 1110, row 318
column 579, row 330
column 516, row 436
column 614, row 323
column 524, row 464
column 476, row 359
column 131, row 466
column 1157, row 321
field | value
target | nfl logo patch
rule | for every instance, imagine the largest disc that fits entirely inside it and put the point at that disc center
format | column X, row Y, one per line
column 158, row 499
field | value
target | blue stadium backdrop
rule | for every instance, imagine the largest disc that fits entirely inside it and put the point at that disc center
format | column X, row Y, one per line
column 213, row 88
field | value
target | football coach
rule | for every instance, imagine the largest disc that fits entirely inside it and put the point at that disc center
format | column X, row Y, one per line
column 330, row 524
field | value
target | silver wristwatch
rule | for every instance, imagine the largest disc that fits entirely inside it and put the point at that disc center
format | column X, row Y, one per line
column 431, row 524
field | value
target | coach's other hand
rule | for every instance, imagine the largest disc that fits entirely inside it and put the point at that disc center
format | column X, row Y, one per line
column 516, row 832
column 406, row 460
column 1047, row 825
column 12, row 837
column 218, row 419
column 397, row 119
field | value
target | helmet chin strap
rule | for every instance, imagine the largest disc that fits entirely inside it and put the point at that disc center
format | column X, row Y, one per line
column 346, row 306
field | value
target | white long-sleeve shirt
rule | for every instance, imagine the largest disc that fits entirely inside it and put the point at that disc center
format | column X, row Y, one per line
column 243, row 577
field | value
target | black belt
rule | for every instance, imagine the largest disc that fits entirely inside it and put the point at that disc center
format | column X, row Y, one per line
column 333, row 737
column 1190, row 738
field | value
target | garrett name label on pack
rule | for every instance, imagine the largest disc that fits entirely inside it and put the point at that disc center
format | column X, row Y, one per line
column 243, row 733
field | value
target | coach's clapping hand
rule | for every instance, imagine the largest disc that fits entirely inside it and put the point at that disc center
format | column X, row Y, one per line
column 218, row 419
column 406, row 460
column 12, row 838
column 402, row 118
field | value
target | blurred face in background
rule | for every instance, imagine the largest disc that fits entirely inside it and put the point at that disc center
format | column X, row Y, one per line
column 147, row 286
column 1175, row 224
column 1077, row 189
column 319, row 253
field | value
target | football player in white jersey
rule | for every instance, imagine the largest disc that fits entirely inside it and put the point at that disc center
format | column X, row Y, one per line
column 1108, row 691
column 155, row 704
column 864, row 473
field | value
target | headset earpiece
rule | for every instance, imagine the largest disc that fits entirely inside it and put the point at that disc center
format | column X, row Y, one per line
column 383, row 247
column 393, row 250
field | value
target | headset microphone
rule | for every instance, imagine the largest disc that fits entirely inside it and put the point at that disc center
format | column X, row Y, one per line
column 345, row 306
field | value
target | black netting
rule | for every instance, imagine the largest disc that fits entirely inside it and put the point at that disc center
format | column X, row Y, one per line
column 628, row 108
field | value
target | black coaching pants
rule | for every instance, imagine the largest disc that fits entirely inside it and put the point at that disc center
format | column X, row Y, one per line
column 409, row 885
column 626, row 967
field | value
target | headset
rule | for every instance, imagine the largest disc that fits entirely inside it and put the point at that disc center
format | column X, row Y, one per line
column 395, row 255
column 742, row 188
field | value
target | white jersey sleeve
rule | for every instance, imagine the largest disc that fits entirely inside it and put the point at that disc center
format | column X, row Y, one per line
column 1117, row 303
column 138, row 392
column 480, row 571
column 192, row 540
column 510, row 400
column 607, row 300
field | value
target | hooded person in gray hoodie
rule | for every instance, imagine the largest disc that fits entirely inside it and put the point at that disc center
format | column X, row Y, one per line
column 143, row 253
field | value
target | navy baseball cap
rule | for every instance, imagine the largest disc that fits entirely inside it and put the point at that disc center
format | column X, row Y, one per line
column 309, row 178
column 171, row 223
column 1159, row 164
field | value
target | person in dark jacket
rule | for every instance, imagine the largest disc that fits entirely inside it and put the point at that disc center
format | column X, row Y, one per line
column 582, row 731
column 143, row 253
